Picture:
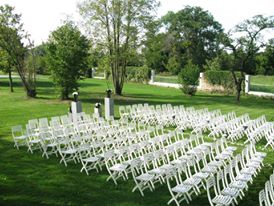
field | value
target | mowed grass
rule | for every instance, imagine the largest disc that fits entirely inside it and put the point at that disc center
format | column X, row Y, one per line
column 29, row 179
column 166, row 79
column 262, row 83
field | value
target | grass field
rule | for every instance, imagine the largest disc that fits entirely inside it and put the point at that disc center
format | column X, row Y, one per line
column 262, row 83
column 29, row 179
column 166, row 79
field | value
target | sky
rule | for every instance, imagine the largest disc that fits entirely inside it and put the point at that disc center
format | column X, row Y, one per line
column 40, row 17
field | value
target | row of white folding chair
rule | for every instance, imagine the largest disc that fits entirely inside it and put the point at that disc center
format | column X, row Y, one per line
column 269, row 136
column 183, row 159
column 266, row 195
column 160, row 146
column 193, row 183
column 150, row 149
column 141, row 147
column 234, row 179
column 232, row 127
column 254, row 132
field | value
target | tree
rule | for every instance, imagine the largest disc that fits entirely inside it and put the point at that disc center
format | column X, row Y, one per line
column 245, row 42
column 269, row 53
column 196, row 32
column 154, row 51
column 117, row 25
column 6, row 66
column 12, row 35
column 67, row 55
column 189, row 78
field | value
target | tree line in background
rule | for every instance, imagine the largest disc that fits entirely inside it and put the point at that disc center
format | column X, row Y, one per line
column 125, row 40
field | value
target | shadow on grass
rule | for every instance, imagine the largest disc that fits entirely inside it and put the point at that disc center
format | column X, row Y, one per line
column 29, row 179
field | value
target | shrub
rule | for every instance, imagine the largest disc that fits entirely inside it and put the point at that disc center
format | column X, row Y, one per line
column 138, row 74
column 223, row 78
column 188, row 78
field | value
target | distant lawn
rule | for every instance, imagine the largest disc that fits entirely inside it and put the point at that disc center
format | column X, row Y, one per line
column 262, row 83
column 29, row 179
column 166, row 79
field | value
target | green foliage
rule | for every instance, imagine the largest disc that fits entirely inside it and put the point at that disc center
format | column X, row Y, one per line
column 222, row 78
column 104, row 66
column 12, row 36
column 66, row 57
column 196, row 34
column 189, row 78
column 212, row 65
column 138, row 74
column 117, row 25
column 173, row 65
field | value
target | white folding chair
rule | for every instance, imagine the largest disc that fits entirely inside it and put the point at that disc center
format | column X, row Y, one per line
column 19, row 138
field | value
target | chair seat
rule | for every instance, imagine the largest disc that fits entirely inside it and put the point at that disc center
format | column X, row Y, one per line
column 166, row 167
column 232, row 192
column 118, row 167
column 244, row 177
column 69, row 151
column 192, row 181
column 253, row 164
column 181, row 188
column 91, row 159
column 223, row 200
column 178, row 162
column 145, row 177
column 209, row 169
column 157, row 171
column 52, row 145
column 34, row 141
column 230, row 148
column 260, row 154
column 21, row 137
column 215, row 163
column 238, row 184
column 248, row 170
column 201, row 175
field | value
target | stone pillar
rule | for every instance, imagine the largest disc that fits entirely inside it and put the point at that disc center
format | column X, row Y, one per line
column 98, row 110
column 93, row 72
column 247, row 83
column 76, row 107
column 152, row 78
column 109, row 107
column 201, row 81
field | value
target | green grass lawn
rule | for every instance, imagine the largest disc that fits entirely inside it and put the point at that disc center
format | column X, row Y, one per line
column 262, row 83
column 29, row 179
column 166, row 79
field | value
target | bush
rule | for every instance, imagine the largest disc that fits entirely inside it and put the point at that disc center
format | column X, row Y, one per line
column 223, row 78
column 188, row 78
column 138, row 74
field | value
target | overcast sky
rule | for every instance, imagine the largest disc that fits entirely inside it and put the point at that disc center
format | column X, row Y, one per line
column 40, row 17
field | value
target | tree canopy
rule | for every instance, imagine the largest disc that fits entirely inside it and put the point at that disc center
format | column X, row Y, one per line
column 12, row 35
column 67, row 55
column 117, row 25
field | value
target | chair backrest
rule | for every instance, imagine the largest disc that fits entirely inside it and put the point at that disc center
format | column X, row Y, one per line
column 262, row 198
column 43, row 122
column 17, row 131
column 209, row 184
column 33, row 124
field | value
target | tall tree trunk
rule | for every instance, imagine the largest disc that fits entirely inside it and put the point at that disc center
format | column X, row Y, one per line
column 118, row 89
column 238, row 90
column 10, row 81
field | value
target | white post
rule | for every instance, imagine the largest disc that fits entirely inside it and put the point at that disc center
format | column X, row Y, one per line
column 152, row 79
column 109, row 108
column 76, row 107
column 247, row 83
column 201, row 81
column 92, row 72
